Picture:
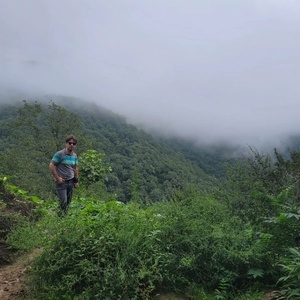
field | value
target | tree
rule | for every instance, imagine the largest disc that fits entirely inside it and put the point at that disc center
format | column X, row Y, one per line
column 92, row 168
column 36, row 132
column 61, row 123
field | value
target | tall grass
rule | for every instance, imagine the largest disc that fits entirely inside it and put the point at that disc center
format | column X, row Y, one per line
column 109, row 250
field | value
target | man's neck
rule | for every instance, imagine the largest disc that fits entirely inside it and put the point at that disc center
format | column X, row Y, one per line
column 68, row 151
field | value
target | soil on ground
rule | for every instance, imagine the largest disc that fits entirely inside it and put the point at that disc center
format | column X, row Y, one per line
column 12, row 277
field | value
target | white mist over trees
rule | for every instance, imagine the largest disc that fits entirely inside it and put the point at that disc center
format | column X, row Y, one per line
column 206, row 70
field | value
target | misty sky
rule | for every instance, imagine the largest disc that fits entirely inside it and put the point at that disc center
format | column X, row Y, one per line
column 207, row 69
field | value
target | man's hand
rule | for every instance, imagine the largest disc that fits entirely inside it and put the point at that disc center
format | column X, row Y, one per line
column 76, row 185
column 60, row 180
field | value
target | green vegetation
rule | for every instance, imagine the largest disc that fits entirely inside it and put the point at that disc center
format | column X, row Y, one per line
column 146, row 219
column 33, row 132
column 109, row 250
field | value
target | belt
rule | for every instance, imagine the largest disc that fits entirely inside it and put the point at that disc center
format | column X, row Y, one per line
column 68, row 180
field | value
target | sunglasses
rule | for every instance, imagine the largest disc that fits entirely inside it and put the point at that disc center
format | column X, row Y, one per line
column 71, row 143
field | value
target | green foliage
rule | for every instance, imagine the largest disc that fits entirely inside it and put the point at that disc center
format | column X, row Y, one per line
column 109, row 250
column 181, row 229
column 212, row 160
column 221, row 293
column 143, row 167
column 245, row 194
column 275, row 234
column 256, row 273
column 16, row 198
column 197, row 292
column 33, row 136
column 101, row 251
column 249, row 295
column 16, row 191
column 138, row 158
column 264, row 192
column 204, row 240
column 61, row 123
column 283, row 229
column 92, row 168
column 257, row 187
column 16, row 209
column 291, row 269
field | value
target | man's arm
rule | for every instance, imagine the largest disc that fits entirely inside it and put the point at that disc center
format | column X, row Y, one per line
column 54, row 172
column 76, row 174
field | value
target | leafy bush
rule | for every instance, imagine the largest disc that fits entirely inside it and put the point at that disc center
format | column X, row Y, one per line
column 123, row 251
column 291, row 267
column 101, row 251
column 206, row 243
column 276, row 233
column 283, row 230
column 92, row 168
column 16, row 208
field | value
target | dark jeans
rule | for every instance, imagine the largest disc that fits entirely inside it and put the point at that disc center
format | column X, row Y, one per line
column 64, row 192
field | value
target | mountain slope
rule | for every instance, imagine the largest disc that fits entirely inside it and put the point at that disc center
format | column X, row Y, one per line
column 143, row 166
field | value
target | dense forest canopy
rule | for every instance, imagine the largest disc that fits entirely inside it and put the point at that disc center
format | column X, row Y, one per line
column 32, row 131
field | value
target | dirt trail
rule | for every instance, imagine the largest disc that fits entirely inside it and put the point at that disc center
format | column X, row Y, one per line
column 12, row 277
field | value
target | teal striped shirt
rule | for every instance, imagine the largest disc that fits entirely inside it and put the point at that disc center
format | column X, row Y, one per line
column 65, row 164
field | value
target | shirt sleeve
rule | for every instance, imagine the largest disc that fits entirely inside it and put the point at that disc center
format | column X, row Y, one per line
column 55, row 159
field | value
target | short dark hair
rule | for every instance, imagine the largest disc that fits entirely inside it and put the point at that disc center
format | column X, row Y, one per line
column 71, row 137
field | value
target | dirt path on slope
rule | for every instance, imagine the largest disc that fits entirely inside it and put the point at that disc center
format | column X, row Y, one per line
column 12, row 277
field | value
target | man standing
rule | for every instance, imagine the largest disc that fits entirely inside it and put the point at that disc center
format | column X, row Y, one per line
column 64, row 167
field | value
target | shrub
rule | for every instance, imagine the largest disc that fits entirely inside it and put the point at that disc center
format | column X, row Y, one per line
column 291, row 268
column 206, row 243
column 111, row 250
column 101, row 251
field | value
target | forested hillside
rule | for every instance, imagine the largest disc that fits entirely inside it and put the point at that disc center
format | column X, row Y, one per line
column 143, row 165
column 219, row 236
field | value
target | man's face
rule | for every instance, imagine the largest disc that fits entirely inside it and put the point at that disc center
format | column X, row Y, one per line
column 71, row 145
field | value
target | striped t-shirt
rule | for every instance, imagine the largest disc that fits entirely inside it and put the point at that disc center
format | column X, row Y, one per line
column 65, row 164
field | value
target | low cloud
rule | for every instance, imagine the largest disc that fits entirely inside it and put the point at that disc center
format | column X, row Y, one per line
column 211, row 71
